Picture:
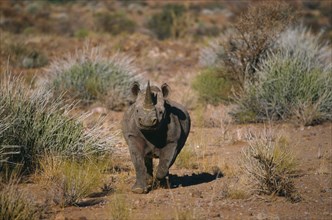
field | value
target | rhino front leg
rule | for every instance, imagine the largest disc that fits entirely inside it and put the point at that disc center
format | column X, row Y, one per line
column 136, row 149
column 166, row 159
column 149, row 167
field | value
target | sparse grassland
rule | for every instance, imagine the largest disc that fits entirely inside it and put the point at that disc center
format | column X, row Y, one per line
column 114, row 23
column 186, row 159
column 173, row 21
column 232, row 64
column 23, row 55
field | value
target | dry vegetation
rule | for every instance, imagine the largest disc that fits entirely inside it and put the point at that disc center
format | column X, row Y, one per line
column 66, row 67
column 269, row 165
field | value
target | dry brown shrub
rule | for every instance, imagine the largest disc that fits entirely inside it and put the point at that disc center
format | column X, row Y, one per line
column 253, row 35
column 269, row 166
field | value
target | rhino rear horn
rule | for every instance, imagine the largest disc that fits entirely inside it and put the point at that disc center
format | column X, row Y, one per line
column 148, row 104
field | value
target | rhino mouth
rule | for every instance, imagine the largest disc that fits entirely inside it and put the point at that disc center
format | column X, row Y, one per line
column 149, row 128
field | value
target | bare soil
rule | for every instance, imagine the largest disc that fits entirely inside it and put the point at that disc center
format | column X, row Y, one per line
column 200, row 193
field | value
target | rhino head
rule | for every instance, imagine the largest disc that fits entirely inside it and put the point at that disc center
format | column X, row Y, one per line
column 149, row 111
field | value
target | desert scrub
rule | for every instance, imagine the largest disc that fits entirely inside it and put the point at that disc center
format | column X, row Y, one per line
column 244, row 46
column 294, row 81
column 213, row 86
column 70, row 180
column 114, row 23
column 89, row 75
column 173, row 21
column 269, row 165
column 23, row 55
column 81, row 33
column 39, row 124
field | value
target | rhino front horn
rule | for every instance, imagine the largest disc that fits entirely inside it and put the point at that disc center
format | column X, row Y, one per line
column 148, row 104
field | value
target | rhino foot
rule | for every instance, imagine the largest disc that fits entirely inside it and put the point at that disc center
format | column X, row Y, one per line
column 139, row 189
column 162, row 173
column 149, row 180
column 161, row 183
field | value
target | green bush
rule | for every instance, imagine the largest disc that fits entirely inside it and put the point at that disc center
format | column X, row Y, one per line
column 81, row 33
column 114, row 23
column 88, row 76
column 295, row 81
column 213, row 86
column 173, row 21
column 40, row 125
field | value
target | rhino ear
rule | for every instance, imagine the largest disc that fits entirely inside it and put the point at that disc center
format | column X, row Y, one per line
column 165, row 90
column 135, row 88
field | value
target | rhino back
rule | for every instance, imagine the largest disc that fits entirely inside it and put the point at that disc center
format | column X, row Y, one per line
column 179, row 114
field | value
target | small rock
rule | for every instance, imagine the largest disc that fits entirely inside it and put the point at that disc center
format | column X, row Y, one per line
column 99, row 110
column 197, row 194
column 216, row 170
column 261, row 216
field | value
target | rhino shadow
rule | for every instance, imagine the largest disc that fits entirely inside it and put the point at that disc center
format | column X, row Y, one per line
column 194, row 179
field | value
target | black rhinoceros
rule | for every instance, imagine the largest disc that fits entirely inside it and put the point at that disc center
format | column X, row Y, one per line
column 154, row 127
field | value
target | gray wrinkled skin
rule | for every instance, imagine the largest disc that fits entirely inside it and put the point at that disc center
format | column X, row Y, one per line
column 154, row 127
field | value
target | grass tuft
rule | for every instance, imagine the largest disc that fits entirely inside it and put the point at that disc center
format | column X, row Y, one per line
column 15, row 203
column 89, row 76
column 269, row 165
column 34, row 124
column 119, row 208
column 71, row 180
